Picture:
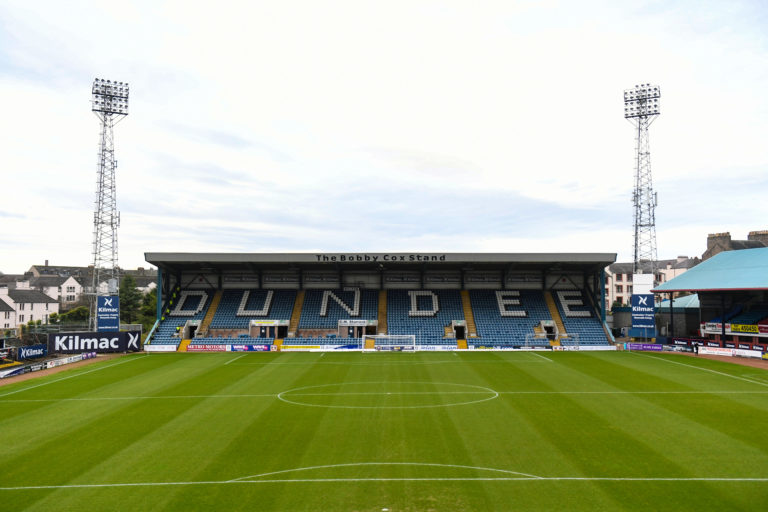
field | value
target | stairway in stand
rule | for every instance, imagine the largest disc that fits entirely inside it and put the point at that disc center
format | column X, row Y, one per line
column 183, row 345
column 555, row 314
column 208, row 318
column 469, row 316
column 382, row 327
column 293, row 326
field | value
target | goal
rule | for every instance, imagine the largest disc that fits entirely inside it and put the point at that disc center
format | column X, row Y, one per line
column 391, row 342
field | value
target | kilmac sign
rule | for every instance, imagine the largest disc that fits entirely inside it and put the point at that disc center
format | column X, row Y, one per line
column 101, row 342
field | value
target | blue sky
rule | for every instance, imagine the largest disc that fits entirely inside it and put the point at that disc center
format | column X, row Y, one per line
column 380, row 126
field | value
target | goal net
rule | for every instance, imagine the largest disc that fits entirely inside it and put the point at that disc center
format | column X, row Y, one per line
column 570, row 339
column 536, row 340
column 391, row 342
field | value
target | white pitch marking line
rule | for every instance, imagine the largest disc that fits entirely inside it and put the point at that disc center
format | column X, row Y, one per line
column 235, row 359
column 357, row 464
column 275, row 395
column 541, row 356
column 427, row 479
column 72, row 376
column 704, row 369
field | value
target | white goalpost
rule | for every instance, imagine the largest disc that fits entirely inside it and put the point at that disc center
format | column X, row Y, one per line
column 390, row 342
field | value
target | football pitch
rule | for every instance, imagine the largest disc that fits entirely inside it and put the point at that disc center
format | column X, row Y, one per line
column 451, row 431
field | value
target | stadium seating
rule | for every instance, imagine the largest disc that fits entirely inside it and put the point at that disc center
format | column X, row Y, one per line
column 191, row 305
column 427, row 321
column 502, row 318
column 579, row 318
column 352, row 304
column 501, row 321
column 252, row 304
column 751, row 317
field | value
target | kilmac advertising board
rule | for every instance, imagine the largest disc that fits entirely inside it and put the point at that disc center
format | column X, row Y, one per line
column 108, row 313
column 100, row 342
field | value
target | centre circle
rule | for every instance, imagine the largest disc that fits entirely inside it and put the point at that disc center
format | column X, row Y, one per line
column 387, row 395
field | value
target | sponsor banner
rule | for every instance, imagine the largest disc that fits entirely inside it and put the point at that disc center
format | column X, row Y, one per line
column 299, row 348
column 439, row 348
column 747, row 353
column 493, row 348
column 757, row 346
column 591, row 348
column 249, row 348
column 715, row 351
column 160, row 348
column 745, row 346
column 269, row 323
column 730, row 344
column 208, row 348
column 715, row 344
column 31, row 352
column 101, row 342
column 765, row 355
column 643, row 311
column 744, row 328
column 108, row 313
column 35, row 367
column 709, row 326
column 348, row 322
column 50, row 364
column 730, row 352
column 395, row 348
column 762, row 329
column 11, row 372
column 645, row 347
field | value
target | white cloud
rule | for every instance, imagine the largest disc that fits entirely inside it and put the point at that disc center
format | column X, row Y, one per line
column 379, row 126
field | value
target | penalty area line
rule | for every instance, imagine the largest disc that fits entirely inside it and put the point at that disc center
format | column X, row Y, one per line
column 235, row 359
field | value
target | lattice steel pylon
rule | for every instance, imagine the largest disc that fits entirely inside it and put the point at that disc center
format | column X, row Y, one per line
column 641, row 107
column 110, row 104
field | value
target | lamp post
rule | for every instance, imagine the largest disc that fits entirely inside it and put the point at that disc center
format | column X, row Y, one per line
column 109, row 101
column 641, row 107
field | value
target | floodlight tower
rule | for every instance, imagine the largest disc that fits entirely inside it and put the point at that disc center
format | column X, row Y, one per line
column 110, row 104
column 641, row 107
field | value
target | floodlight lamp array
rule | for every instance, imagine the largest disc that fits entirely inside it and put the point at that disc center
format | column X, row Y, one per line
column 110, row 97
column 642, row 101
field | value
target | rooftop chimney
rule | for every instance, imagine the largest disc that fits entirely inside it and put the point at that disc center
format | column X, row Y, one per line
column 718, row 238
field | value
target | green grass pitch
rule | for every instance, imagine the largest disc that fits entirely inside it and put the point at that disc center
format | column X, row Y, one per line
column 388, row 431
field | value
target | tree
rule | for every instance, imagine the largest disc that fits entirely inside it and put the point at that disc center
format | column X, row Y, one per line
column 148, row 310
column 77, row 315
column 130, row 300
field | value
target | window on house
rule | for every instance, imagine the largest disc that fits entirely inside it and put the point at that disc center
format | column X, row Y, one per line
column 21, row 319
column 7, row 315
column 619, row 288
column 70, row 298
column 618, row 277
column 70, row 289
column 21, row 306
column 629, row 289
